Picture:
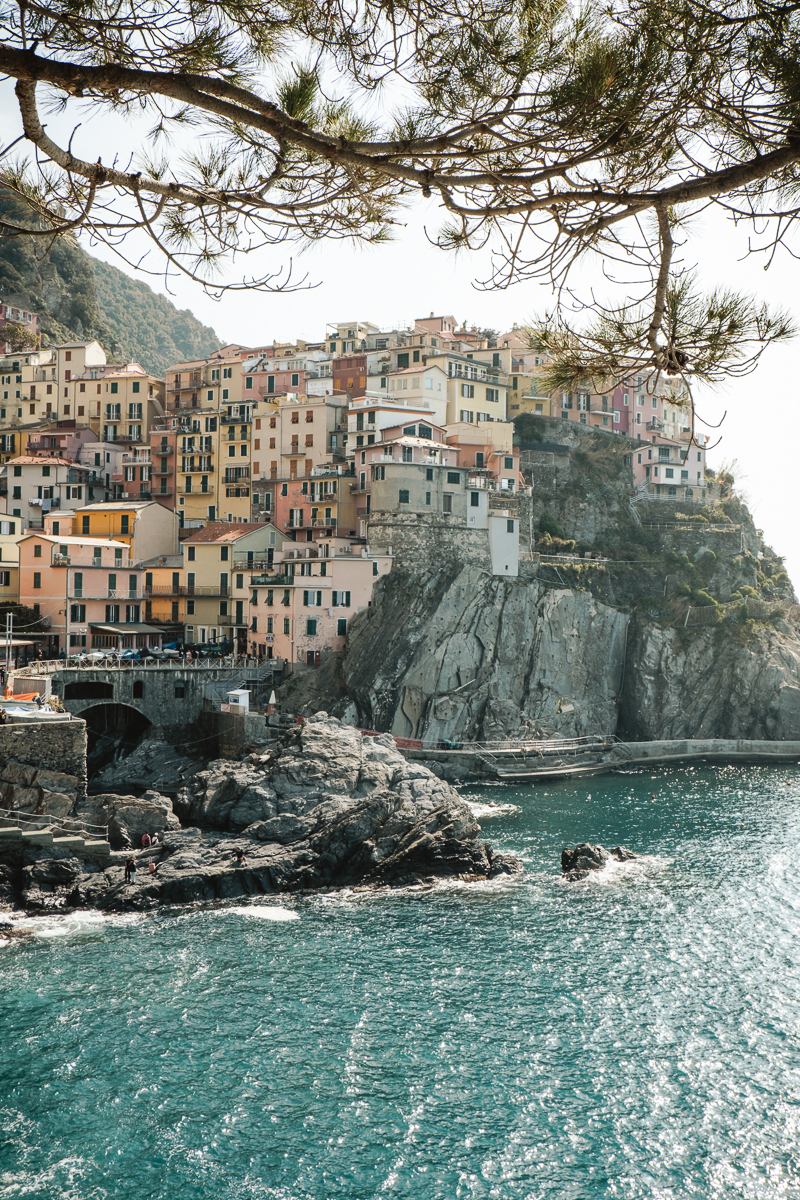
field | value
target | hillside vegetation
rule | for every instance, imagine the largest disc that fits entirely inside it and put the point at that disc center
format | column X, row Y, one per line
column 78, row 297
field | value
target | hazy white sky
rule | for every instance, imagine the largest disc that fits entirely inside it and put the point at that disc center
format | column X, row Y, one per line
column 394, row 283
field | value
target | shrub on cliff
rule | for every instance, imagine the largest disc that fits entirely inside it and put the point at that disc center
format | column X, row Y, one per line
column 549, row 525
column 701, row 599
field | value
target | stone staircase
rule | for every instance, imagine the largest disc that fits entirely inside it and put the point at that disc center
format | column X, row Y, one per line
column 82, row 846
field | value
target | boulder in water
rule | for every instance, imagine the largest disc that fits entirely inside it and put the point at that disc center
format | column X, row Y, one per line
column 578, row 863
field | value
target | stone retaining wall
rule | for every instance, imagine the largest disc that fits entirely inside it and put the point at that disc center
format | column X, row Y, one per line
column 43, row 766
column 424, row 541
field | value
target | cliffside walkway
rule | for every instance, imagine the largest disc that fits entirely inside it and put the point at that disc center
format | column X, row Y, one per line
column 574, row 758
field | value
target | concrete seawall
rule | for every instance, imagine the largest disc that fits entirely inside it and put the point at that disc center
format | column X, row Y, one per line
column 711, row 749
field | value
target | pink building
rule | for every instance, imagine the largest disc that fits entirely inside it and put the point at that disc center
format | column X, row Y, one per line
column 304, row 607
column 88, row 589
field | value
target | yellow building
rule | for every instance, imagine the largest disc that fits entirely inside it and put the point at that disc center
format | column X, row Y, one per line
column 219, row 562
column 214, row 444
column 129, row 403
column 164, row 590
column 11, row 532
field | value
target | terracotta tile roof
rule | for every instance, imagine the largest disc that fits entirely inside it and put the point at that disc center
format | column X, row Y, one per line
column 224, row 531
column 27, row 459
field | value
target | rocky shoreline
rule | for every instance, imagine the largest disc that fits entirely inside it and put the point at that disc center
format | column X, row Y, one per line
column 326, row 808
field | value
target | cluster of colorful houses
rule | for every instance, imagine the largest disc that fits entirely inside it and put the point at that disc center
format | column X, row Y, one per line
column 231, row 503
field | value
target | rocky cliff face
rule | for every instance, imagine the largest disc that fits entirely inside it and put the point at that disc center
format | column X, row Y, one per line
column 460, row 654
column 711, row 686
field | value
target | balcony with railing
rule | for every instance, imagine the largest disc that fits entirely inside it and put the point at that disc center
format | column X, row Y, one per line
column 232, row 419
column 186, row 589
column 237, row 474
column 83, row 557
column 258, row 562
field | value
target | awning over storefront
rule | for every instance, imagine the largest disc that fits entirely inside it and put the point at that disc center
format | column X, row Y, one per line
column 132, row 627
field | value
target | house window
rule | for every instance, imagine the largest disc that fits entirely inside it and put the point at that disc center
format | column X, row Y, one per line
column 474, row 499
column 37, row 551
column 341, row 627
column 403, row 497
column 180, row 692
column 427, row 502
column 453, row 477
column 429, row 474
column 468, row 391
column 311, row 627
column 447, row 502
column 509, row 526
column 286, row 625
column 37, row 579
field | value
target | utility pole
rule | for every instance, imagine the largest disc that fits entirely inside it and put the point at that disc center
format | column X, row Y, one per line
column 66, row 613
column 9, row 639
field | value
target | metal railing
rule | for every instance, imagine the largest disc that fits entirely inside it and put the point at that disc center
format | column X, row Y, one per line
column 111, row 662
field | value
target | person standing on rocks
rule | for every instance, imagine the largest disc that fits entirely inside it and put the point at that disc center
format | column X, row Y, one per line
column 130, row 869
column 146, row 840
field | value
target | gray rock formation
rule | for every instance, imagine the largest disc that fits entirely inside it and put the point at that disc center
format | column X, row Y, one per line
column 128, row 817
column 579, row 863
column 327, row 808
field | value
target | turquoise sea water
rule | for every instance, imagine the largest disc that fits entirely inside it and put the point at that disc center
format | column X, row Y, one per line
column 634, row 1036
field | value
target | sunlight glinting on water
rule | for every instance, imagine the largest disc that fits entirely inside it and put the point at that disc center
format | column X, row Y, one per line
column 631, row 1036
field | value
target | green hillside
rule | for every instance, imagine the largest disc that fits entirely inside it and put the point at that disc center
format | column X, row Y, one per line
column 77, row 297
